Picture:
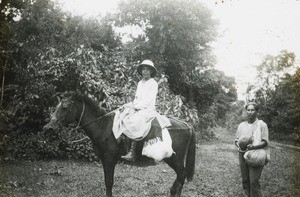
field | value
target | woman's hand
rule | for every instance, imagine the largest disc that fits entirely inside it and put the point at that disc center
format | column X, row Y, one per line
column 136, row 107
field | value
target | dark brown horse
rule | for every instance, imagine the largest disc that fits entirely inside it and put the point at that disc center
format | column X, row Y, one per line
column 97, row 125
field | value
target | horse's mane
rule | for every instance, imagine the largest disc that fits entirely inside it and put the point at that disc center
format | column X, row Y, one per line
column 93, row 105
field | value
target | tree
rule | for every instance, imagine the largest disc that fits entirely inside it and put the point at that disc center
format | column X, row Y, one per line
column 9, row 11
column 277, row 92
column 54, row 52
column 39, row 42
column 271, row 71
column 177, row 36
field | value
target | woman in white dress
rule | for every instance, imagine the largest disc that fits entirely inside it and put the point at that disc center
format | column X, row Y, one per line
column 134, row 120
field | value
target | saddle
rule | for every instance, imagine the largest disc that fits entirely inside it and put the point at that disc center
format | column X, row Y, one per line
column 155, row 132
column 155, row 139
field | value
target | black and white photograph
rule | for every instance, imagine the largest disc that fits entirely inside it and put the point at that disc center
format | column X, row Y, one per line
column 135, row 98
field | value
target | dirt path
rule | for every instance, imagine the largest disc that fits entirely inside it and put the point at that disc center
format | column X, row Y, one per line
column 217, row 168
column 281, row 177
column 217, row 175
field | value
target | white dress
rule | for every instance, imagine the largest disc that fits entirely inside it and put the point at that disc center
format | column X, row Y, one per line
column 136, row 124
column 145, row 96
column 135, row 119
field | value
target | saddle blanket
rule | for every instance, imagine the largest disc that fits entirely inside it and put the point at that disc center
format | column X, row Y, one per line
column 147, row 125
column 158, row 148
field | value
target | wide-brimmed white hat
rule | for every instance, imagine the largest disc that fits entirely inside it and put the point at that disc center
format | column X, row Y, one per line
column 148, row 63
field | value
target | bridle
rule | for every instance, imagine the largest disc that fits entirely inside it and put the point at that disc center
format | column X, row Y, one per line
column 81, row 115
column 80, row 119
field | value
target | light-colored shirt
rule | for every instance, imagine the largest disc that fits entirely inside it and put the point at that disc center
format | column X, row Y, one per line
column 246, row 130
column 145, row 96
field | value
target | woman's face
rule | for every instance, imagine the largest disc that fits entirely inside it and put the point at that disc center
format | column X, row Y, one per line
column 251, row 112
column 146, row 72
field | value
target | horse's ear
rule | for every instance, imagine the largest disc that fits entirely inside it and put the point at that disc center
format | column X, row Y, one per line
column 58, row 96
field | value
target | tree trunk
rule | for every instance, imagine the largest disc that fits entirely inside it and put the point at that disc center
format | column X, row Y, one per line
column 2, row 86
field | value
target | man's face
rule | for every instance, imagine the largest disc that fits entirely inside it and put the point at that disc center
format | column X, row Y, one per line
column 251, row 112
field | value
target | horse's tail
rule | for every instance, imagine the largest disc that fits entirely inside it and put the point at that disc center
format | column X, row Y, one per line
column 190, row 157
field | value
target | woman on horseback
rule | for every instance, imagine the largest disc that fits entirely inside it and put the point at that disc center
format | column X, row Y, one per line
column 134, row 119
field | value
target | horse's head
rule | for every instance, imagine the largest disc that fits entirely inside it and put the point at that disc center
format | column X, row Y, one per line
column 65, row 112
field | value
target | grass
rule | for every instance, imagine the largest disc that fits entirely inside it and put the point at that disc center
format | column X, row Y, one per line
column 217, row 175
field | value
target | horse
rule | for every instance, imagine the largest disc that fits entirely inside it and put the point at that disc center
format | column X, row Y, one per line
column 97, row 124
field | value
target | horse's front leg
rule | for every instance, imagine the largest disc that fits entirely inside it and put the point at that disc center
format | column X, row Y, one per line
column 109, row 164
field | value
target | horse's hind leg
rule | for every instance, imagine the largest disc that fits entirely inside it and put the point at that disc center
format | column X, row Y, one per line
column 178, row 167
column 176, row 188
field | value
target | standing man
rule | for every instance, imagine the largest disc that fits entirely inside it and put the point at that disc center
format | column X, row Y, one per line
column 251, row 175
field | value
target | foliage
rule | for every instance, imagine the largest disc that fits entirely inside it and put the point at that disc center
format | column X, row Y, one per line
column 91, row 73
column 47, row 58
column 54, row 52
column 9, row 12
column 177, row 36
column 41, row 37
column 278, row 95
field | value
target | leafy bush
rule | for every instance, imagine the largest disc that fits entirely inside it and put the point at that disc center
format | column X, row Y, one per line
column 278, row 96
column 54, row 52
column 86, row 71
